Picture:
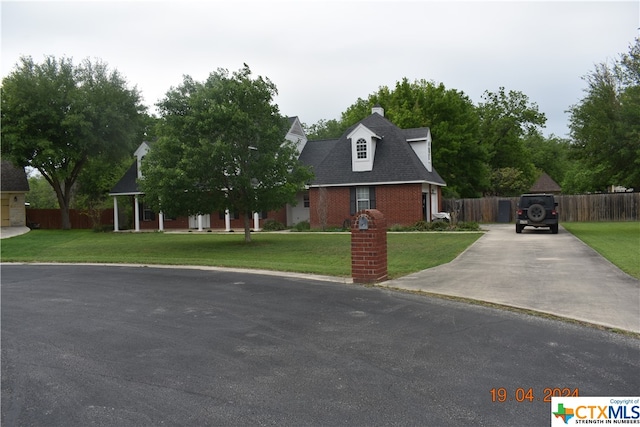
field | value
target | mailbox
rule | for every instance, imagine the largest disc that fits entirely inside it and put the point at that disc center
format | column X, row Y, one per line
column 363, row 223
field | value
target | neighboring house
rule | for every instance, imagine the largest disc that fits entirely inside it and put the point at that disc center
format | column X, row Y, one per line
column 13, row 187
column 373, row 165
column 619, row 189
column 145, row 219
column 545, row 184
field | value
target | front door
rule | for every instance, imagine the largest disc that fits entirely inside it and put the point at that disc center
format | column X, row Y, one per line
column 425, row 208
column 4, row 214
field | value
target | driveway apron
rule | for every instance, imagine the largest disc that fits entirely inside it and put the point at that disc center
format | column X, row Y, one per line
column 556, row 274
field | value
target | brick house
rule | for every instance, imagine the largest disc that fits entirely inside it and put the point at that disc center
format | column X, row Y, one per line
column 373, row 165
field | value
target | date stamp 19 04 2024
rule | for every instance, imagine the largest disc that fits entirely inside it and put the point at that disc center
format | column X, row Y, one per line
column 521, row 394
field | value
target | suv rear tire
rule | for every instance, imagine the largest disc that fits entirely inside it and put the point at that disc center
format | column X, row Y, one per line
column 536, row 212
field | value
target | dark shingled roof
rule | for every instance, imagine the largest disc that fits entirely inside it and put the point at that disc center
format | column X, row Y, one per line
column 128, row 184
column 395, row 160
column 13, row 178
column 545, row 184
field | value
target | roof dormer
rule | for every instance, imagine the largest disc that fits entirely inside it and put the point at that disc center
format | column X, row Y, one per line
column 363, row 148
column 421, row 145
column 140, row 152
column 296, row 134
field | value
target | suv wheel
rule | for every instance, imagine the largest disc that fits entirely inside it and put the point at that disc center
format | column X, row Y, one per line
column 554, row 229
column 536, row 212
column 519, row 228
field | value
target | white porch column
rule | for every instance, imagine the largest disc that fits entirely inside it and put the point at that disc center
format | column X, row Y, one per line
column 116, row 225
column 136, row 213
column 227, row 220
column 429, row 212
column 434, row 199
column 161, row 221
column 199, row 222
column 256, row 221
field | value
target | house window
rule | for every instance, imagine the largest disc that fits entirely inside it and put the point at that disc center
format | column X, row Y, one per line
column 148, row 214
column 232, row 215
column 362, row 198
column 305, row 198
column 361, row 149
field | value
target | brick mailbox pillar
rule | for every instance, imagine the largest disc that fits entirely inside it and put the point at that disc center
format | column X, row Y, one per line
column 369, row 247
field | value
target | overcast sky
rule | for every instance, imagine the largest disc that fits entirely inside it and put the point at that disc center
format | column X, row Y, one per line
column 323, row 55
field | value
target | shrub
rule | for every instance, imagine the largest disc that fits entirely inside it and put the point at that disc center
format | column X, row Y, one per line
column 397, row 227
column 272, row 225
column 439, row 226
column 468, row 226
column 421, row 226
column 302, row 226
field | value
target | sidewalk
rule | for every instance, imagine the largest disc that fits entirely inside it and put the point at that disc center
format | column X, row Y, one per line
column 555, row 274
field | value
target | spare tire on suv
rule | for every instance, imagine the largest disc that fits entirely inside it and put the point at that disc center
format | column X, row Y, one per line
column 537, row 210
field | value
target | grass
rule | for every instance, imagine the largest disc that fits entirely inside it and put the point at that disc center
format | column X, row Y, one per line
column 619, row 242
column 326, row 254
column 317, row 253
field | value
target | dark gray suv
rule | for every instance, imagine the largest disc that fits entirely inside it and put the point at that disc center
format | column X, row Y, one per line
column 537, row 210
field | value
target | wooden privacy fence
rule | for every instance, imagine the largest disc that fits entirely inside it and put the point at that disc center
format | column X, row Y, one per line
column 51, row 219
column 582, row 208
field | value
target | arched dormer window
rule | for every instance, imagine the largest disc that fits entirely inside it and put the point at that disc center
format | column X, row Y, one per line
column 363, row 143
column 361, row 148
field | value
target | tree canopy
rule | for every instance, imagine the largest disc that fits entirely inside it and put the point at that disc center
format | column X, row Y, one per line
column 605, row 124
column 222, row 146
column 57, row 116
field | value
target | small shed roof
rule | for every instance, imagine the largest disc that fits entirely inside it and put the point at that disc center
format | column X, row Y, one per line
column 13, row 178
column 545, row 184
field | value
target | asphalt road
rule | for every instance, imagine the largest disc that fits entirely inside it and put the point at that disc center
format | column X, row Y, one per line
column 126, row 346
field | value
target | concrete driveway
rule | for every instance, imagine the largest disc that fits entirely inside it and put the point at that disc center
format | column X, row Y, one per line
column 537, row 270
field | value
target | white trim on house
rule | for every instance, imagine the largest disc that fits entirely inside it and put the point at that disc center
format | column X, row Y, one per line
column 422, row 147
column 296, row 135
column 140, row 152
column 359, row 184
column 370, row 138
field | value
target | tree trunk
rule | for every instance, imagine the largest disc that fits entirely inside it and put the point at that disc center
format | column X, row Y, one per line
column 63, row 201
column 247, row 227
column 64, row 216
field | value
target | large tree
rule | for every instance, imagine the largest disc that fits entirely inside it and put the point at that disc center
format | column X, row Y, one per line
column 222, row 146
column 41, row 195
column 549, row 154
column 325, row 129
column 605, row 124
column 507, row 119
column 57, row 116
column 452, row 119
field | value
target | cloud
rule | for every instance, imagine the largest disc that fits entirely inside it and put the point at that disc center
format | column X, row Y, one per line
column 323, row 55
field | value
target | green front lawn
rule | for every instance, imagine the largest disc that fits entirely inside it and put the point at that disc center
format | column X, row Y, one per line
column 326, row 254
column 619, row 242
